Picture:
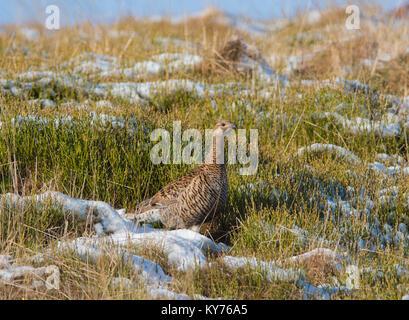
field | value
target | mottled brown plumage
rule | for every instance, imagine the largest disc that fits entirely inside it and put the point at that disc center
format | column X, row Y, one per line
column 189, row 200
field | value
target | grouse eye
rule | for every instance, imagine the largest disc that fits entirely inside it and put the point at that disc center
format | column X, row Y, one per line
column 223, row 124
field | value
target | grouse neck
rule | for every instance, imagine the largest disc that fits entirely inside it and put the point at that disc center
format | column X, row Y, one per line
column 215, row 156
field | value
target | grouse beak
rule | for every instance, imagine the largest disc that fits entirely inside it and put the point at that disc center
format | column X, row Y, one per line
column 234, row 126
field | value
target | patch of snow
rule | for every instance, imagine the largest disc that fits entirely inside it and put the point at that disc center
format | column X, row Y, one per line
column 94, row 63
column 52, row 273
column 269, row 269
column 340, row 151
column 35, row 75
column 108, row 219
column 42, row 102
column 30, row 33
column 328, row 254
column 385, row 128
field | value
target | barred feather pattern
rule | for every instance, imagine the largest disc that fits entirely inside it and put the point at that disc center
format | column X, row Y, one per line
column 191, row 199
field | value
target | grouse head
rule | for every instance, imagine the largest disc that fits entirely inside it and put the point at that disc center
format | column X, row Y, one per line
column 223, row 128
